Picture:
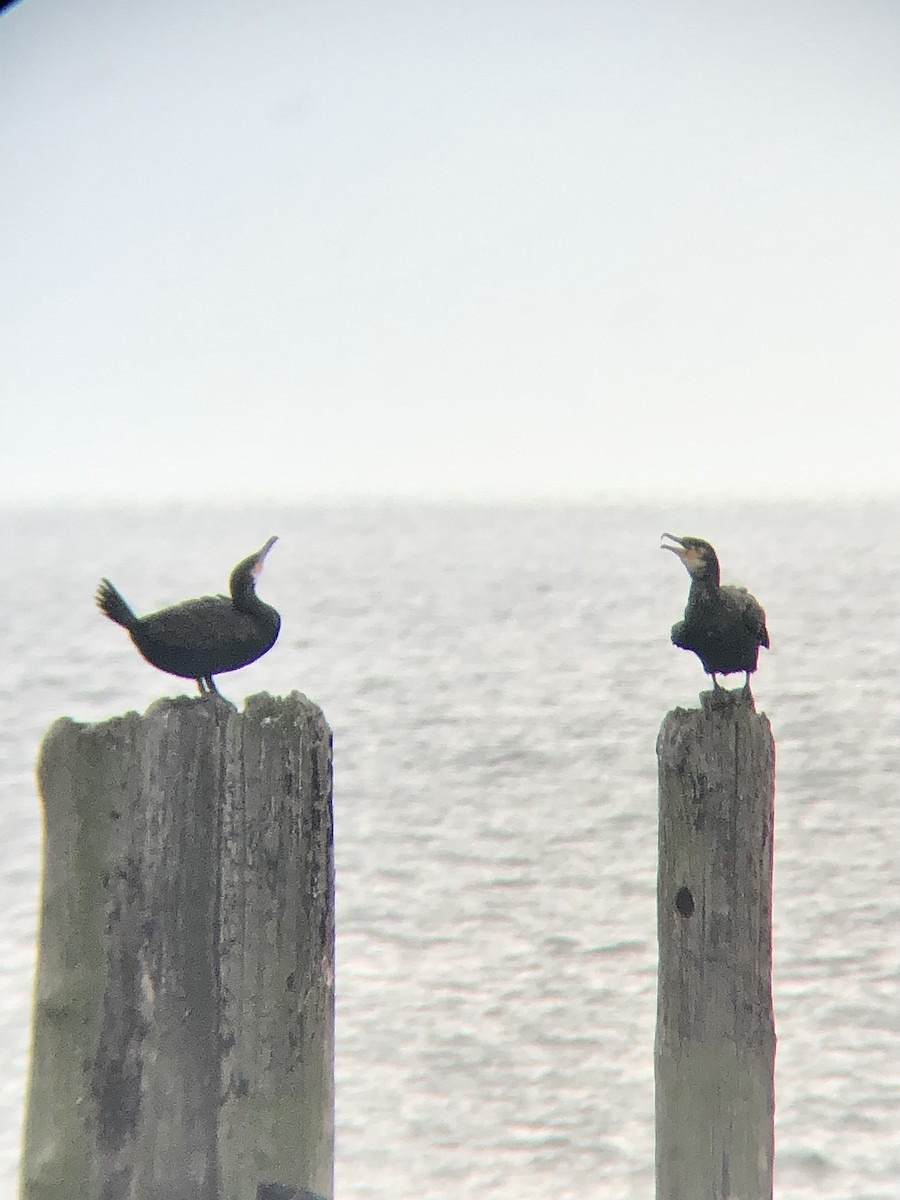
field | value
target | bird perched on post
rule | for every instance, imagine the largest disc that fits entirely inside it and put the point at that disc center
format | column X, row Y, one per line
column 202, row 638
column 723, row 626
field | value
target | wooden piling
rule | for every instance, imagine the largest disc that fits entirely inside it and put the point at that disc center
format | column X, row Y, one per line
column 715, row 1033
column 183, row 1038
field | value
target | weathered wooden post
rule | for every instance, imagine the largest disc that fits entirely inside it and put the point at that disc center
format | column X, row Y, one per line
column 184, row 1016
column 715, row 1033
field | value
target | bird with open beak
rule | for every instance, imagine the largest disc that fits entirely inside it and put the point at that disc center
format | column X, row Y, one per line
column 723, row 625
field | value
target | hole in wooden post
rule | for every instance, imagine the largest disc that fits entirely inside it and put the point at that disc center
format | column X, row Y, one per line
column 684, row 902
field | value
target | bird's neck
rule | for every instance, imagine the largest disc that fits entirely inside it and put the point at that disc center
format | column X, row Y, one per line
column 244, row 597
column 702, row 589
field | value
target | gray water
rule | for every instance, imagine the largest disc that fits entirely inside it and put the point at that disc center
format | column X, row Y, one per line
column 495, row 678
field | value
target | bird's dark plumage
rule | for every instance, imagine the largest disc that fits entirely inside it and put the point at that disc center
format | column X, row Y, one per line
column 202, row 638
column 723, row 625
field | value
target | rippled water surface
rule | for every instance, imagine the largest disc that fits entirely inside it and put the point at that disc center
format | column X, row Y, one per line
column 495, row 679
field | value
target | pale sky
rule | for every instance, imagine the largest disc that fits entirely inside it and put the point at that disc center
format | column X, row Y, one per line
column 449, row 248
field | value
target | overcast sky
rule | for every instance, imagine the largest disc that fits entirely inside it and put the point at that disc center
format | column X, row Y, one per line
column 480, row 248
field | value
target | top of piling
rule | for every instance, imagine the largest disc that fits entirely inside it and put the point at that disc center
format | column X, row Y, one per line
column 263, row 704
column 721, row 710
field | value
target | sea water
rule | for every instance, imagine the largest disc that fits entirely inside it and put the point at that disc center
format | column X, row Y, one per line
column 495, row 678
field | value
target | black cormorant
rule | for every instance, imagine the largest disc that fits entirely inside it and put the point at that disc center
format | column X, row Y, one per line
column 201, row 638
column 723, row 626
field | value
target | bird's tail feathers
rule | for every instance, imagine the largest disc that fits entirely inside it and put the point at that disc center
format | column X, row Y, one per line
column 113, row 606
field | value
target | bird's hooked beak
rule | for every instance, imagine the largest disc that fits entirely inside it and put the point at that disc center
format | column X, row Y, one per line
column 261, row 557
column 679, row 549
column 689, row 554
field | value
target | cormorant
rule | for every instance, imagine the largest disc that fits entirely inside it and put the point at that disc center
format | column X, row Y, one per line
column 201, row 638
column 723, row 626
